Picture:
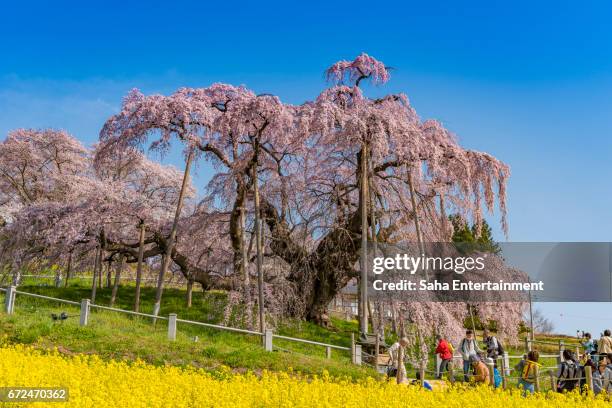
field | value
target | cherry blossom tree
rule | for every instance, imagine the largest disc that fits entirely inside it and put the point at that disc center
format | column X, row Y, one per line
column 298, row 192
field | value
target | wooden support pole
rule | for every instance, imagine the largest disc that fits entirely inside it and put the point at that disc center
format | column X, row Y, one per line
column 553, row 382
column 537, row 378
column 588, row 373
column 376, row 351
column 505, row 372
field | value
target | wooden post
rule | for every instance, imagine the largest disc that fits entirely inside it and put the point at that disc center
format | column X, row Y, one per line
column 259, row 249
column 376, row 351
column 553, row 382
column 353, row 347
column 363, row 256
column 268, row 337
column 561, row 349
column 588, row 371
column 422, row 374
column 451, row 373
column 328, row 352
column 172, row 327
column 527, row 345
column 358, row 354
column 400, row 365
column 537, row 378
column 505, row 372
column 84, row 312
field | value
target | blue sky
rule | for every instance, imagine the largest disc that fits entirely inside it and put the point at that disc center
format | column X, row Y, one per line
column 530, row 82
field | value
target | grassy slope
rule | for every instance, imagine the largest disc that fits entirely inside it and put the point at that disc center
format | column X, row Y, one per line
column 119, row 336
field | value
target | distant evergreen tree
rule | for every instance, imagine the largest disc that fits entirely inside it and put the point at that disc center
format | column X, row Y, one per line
column 467, row 238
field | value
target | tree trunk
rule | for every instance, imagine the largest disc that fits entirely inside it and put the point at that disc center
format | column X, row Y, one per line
column 94, row 284
column 139, row 267
column 170, row 244
column 117, row 280
column 394, row 324
column 258, row 239
column 68, row 269
column 58, row 277
column 415, row 215
column 445, row 233
column 246, row 279
column 189, row 292
column 109, row 274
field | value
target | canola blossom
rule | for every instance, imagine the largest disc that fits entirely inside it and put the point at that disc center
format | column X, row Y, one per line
column 93, row 382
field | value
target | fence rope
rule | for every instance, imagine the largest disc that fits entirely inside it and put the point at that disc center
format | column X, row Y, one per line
column 217, row 326
column 113, row 309
column 70, row 302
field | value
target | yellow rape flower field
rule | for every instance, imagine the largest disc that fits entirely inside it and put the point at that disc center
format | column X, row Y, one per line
column 95, row 383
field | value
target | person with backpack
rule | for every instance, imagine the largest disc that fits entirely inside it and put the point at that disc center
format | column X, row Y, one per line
column 494, row 347
column 569, row 373
column 444, row 350
column 527, row 371
column 467, row 348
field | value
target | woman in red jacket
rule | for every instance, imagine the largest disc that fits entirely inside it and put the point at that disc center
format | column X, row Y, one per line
column 444, row 350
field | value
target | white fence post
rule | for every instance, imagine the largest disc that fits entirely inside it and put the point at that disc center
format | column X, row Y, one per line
column 9, row 301
column 268, row 335
column 328, row 352
column 84, row 312
column 172, row 326
column 357, row 357
column 507, row 363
